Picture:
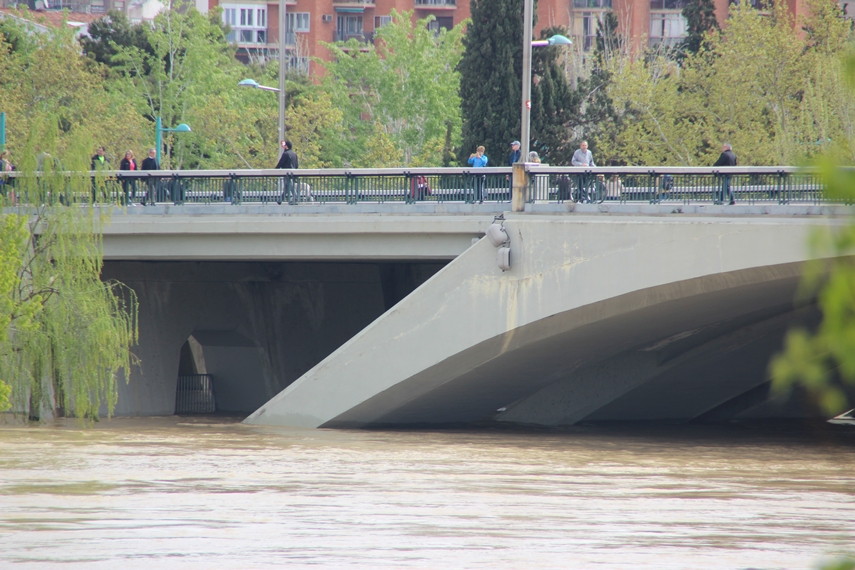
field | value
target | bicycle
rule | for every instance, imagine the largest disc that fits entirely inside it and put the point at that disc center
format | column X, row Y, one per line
column 590, row 189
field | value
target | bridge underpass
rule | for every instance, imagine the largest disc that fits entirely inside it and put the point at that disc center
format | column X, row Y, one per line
column 257, row 326
column 600, row 318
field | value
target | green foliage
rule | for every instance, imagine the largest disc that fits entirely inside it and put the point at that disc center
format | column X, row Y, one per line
column 52, row 78
column 108, row 36
column 776, row 94
column 65, row 336
column 839, row 564
column 490, row 86
column 598, row 119
column 700, row 22
column 407, row 85
column 824, row 362
column 554, row 106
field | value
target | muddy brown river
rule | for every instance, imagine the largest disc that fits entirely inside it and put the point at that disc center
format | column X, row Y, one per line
column 210, row 493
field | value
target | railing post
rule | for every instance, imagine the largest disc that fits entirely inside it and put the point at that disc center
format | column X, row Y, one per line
column 175, row 190
column 519, row 194
column 654, row 187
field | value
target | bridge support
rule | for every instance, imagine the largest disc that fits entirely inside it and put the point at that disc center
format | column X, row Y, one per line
column 598, row 318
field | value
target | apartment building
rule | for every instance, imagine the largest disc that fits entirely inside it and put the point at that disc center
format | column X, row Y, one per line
column 255, row 24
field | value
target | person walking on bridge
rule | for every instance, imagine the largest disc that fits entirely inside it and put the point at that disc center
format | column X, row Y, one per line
column 727, row 158
column 288, row 161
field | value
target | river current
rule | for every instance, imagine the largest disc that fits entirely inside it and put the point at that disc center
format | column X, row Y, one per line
column 212, row 493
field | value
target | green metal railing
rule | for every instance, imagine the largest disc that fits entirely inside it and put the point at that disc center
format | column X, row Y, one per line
column 663, row 185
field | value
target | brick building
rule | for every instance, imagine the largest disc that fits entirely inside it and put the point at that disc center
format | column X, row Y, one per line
column 255, row 23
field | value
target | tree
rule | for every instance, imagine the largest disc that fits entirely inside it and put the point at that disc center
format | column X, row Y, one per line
column 554, row 106
column 490, row 72
column 108, row 36
column 53, row 79
column 700, row 20
column 407, row 85
column 65, row 335
column 599, row 121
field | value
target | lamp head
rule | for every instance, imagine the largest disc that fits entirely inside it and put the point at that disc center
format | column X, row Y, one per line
column 559, row 40
column 248, row 83
column 182, row 128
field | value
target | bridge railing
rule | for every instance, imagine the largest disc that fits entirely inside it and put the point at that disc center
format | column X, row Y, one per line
column 676, row 185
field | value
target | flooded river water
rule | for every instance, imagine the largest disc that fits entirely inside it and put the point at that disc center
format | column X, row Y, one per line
column 212, row 493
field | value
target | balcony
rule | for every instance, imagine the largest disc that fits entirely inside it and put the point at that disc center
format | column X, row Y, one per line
column 361, row 37
column 435, row 4
column 353, row 3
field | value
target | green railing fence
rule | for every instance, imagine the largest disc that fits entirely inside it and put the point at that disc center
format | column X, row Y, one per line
column 669, row 185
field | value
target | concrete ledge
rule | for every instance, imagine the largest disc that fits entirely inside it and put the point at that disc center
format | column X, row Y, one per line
column 701, row 209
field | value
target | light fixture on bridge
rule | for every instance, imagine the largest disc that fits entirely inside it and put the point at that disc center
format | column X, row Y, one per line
column 497, row 236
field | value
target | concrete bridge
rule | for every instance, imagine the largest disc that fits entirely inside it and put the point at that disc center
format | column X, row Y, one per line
column 327, row 316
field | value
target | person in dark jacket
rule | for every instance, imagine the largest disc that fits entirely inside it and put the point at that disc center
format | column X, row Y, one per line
column 99, row 160
column 513, row 158
column 150, row 163
column 129, row 186
column 727, row 158
column 288, row 160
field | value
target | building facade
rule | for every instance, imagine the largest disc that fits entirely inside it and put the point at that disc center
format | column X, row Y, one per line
column 255, row 23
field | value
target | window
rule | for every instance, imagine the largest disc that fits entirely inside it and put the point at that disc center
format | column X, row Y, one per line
column 848, row 7
column 444, row 23
column 248, row 23
column 298, row 21
column 590, row 23
column 667, row 28
column 605, row 4
column 298, row 64
column 667, row 5
column 349, row 25
column 380, row 21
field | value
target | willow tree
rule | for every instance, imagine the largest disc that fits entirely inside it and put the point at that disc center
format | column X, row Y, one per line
column 65, row 335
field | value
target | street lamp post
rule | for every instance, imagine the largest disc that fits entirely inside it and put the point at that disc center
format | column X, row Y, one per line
column 160, row 129
column 281, row 90
column 2, row 131
column 283, row 40
column 520, row 180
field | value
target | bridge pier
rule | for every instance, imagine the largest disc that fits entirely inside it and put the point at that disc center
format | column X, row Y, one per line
column 260, row 325
column 599, row 319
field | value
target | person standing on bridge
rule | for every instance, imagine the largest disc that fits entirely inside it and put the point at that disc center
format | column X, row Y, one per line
column 582, row 157
column 478, row 160
column 727, row 158
column 150, row 163
column 288, row 161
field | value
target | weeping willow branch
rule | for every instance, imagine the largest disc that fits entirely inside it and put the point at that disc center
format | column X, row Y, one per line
column 65, row 335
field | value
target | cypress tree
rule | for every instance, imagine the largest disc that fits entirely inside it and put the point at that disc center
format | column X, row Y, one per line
column 700, row 18
column 490, row 72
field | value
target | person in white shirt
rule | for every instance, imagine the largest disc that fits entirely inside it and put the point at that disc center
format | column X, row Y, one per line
column 582, row 157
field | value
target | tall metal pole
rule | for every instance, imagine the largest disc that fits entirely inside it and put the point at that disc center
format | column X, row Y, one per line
column 2, row 131
column 283, row 39
column 525, row 123
column 158, row 138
